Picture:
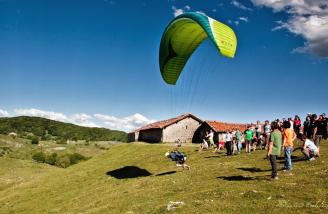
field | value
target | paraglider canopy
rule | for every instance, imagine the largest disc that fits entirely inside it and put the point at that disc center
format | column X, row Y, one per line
column 184, row 34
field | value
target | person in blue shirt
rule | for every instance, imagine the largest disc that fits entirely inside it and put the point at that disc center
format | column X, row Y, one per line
column 179, row 158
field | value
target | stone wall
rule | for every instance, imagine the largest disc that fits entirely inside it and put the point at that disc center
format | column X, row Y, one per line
column 133, row 136
column 183, row 130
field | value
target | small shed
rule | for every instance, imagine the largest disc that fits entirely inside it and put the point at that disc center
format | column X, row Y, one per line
column 180, row 128
column 218, row 128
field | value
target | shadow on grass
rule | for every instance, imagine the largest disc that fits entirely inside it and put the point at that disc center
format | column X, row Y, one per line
column 236, row 178
column 283, row 158
column 242, row 178
column 294, row 159
column 213, row 156
column 128, row 172
column 253, row 169
column 166, row 173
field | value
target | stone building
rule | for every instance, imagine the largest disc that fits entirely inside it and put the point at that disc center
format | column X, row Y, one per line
column 180, row 128
column 218, row 128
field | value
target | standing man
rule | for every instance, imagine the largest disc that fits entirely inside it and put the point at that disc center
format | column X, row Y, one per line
column 229, row 143
column 239, row 135
column 267, row 131
column 248, row 139
column 325, row 119
column 210, row 137
column 289, row 137
column 307, row 127
column 274, row 148
column 258, row 129
column 320, row 127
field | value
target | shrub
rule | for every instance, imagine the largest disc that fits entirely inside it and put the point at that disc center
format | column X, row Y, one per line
column 4, row 151
column 61, row 141
column 63, row 161
column 103, row 148
column 76, row 157
column 39, row 157
column 51, row 159
column 46, row 137
column 35, row 140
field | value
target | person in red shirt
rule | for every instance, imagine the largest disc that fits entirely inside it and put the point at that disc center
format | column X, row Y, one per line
column 297, row 124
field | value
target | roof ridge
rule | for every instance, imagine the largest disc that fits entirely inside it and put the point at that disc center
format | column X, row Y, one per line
column 167, row 122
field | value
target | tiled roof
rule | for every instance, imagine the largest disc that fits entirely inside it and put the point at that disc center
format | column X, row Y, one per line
column 164, row 123
column 223, row 127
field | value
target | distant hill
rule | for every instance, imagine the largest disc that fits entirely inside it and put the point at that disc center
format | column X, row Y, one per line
column 46, row 129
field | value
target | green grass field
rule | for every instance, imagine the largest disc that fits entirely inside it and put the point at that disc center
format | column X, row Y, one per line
column 215, row 184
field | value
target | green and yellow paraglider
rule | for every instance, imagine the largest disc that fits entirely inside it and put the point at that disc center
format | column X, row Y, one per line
column 184, row 34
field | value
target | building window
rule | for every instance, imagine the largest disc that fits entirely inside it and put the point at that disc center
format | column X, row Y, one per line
column 186, row 127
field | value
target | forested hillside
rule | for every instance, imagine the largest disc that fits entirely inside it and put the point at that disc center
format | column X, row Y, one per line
column 50, row 129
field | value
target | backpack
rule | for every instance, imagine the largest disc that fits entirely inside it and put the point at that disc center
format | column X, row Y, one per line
column 180, row 156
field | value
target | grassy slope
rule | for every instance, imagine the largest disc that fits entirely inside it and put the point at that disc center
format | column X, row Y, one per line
column 28, row 187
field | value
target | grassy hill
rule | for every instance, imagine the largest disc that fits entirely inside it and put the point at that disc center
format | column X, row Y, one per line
column 50, row 129
column 215, row 184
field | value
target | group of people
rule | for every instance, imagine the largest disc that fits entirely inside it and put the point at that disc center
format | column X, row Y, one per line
column 284, row 133
column 277, row 136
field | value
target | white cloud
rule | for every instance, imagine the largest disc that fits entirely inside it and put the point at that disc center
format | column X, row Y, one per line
column 245, row 19
column 4, row 113
column 127, row 123
column 308, row 19
column 179, row 11
column 236, row 23
column 240, row 5
column 82, row 120
column 40, row 113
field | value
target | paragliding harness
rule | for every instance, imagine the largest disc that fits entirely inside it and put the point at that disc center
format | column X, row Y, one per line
column 178, row 157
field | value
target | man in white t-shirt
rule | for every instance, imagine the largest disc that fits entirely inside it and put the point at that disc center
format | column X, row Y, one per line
column 310, row 150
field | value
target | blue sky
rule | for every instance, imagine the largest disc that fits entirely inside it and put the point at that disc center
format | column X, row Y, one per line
column 95, row 62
